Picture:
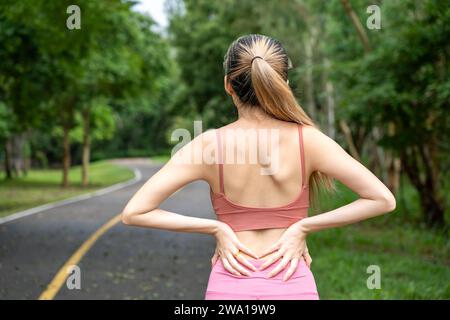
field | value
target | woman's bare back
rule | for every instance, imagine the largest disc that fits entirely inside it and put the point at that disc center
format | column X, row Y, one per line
column 277, row 171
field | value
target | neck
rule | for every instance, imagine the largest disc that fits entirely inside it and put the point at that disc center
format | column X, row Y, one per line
column 253, row 114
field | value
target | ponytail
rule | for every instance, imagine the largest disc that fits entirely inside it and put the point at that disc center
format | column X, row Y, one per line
column 263, row 83
column 274, row 94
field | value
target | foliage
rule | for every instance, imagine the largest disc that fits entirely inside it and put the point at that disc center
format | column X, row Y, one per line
column 50, row 75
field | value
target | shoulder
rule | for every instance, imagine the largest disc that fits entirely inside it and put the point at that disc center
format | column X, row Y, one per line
column 319, row 146
column 196, row 151
column 313, row 136
column 205, row 139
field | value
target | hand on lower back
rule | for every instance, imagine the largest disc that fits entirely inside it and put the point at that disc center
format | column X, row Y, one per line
column 228, row 250
column 290, row 248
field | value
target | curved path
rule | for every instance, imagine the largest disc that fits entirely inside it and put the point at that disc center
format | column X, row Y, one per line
column 124, row 263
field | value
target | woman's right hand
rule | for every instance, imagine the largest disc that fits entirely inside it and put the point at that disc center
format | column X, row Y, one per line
column 228, row 248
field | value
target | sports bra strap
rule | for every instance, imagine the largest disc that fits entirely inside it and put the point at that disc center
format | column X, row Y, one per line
column 302, row 152
column 220, row 160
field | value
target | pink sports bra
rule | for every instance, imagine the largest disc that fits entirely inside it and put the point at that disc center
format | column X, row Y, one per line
column 240, row 217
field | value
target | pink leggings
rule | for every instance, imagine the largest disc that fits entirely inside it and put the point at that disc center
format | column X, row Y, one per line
column 223, row 285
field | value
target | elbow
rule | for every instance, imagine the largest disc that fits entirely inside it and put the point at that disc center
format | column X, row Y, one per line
column 134, row 217
column 389, row 202
column 126, row 217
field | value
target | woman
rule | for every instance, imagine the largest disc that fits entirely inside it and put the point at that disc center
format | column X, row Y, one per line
column 262, row 213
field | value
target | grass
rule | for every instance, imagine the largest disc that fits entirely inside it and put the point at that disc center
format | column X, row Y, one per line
column 414, row 261
column 160, row 158
column 414, row 264
column 43, row 186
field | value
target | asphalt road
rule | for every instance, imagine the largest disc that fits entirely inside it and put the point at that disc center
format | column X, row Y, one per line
column 125, row 263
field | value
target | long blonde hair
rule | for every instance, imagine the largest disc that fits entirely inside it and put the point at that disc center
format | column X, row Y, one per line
column 257, row 66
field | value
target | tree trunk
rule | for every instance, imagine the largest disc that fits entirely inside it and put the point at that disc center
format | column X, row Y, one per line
column 378, row 156
column 430, row 200
column 67, row 121
column 26, row 165
column 66, row 155
column 329, row 91
column 393, row 165
column 86, row 147
column 394, row 169
column 330, row 108
column 8, row 169
column 433, row 209
column 309, row 80
column 362, row 34
column 17, row 154
column 349, row 139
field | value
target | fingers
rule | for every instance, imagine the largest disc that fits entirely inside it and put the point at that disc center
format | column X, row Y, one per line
column 246, row 250
column 279, row 267
column 214, row 259
column 271, row 260
column 308, row 259
column 236, row 265
column 245, row 262
column 271, row 249
column 291, row 270
column 229, row 268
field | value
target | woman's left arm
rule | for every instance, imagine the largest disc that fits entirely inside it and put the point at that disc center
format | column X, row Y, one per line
column 186, row 166
column 142, row 209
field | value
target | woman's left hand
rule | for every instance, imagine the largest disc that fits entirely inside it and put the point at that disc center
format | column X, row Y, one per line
column 291, row 247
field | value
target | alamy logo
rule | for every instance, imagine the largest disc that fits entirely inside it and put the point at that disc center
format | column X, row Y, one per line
column 374, row 20
column 374, row 280
column 74, row 279
column 74, row 20
column 245, row 146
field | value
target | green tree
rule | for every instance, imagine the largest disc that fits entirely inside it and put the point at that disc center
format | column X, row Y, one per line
column 51, row 75
column 405, row 82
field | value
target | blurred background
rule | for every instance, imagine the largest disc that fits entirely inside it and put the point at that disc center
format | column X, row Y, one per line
column 115, row 85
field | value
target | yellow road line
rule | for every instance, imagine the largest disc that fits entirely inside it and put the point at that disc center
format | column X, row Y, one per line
column 59, row 279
